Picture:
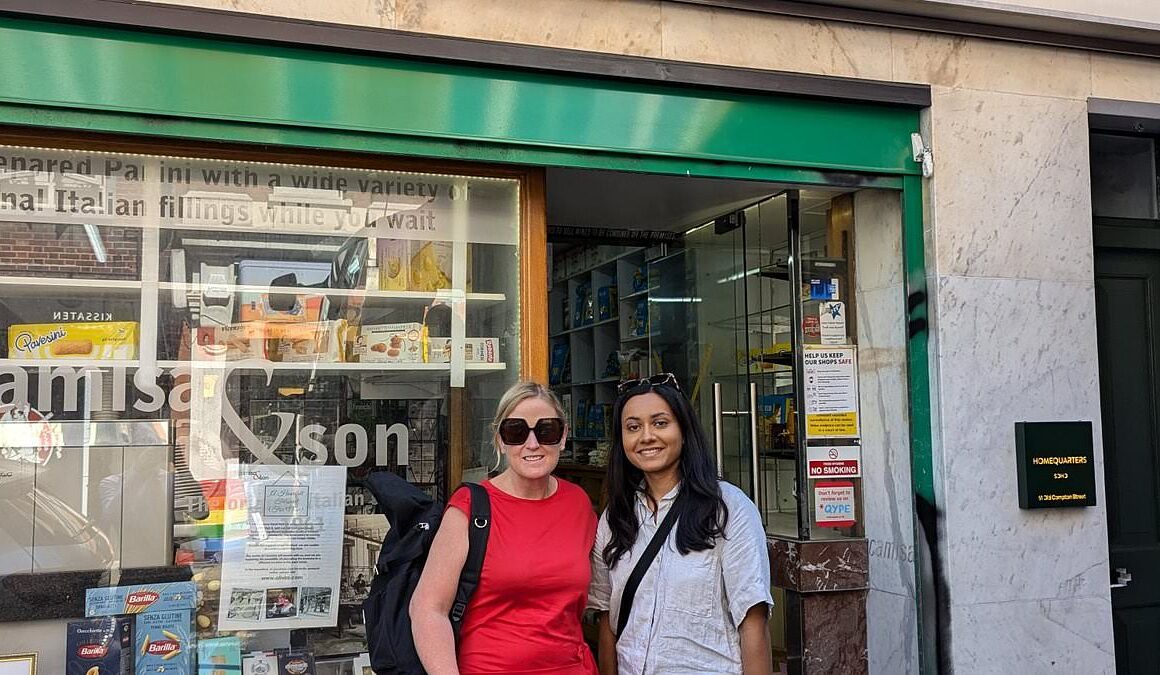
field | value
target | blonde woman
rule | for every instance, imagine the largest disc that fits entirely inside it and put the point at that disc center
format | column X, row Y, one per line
column 524, row 616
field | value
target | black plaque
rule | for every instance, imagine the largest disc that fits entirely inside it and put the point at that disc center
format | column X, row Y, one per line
column 1056, row 468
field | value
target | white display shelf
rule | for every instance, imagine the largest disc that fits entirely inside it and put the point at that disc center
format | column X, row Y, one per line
column 414, row 296
column 23, row 286
column 253, row 365
column 357, row 367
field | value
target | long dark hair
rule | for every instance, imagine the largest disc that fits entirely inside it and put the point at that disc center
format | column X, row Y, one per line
column 703, row 514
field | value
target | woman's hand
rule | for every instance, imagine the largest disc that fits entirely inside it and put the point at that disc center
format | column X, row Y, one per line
column 607, row 646
column 435, row 594
column 756, row 656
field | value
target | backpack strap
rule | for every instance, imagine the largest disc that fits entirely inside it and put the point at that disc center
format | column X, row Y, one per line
column 650, row 553
column 478, row 527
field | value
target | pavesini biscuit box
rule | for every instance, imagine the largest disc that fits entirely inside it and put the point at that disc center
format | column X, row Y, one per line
column 108, row 340
column 163, row 629
column 100, row 646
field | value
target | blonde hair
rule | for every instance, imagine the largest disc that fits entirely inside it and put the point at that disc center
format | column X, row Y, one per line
column 515, row 395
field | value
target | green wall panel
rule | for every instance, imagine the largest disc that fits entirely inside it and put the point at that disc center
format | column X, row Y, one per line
column 99, row 69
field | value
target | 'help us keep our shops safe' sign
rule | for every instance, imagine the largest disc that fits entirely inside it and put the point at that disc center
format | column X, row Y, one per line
column 830, row 376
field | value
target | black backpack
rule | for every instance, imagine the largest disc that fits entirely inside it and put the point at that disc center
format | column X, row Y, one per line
column 414, row 517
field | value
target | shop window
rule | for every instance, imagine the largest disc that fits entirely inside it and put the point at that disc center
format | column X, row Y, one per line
column 204, row 359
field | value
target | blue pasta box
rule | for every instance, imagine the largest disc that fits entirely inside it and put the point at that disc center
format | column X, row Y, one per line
column 165, row 643
column 163, row 629
column 100, row 646
column 605, row 303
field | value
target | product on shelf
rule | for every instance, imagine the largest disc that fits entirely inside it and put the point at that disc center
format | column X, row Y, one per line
column 476, row 350
column 431, row 265
column 638, row 324
column 296, row 663
column 296, row 303
column 389, row 343
column 108, row 340
column 640, row 279
column 605, row 303
column 234, row 342
column 101, row 646
column 559, row 364
column 394, row 264
column 581, row 418
column 323, row 341
column 219, row 655
column 217, row 294
column 163, row 629
column 596, row 419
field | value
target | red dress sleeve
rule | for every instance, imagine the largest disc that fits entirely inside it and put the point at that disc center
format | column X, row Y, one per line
column 460, row 499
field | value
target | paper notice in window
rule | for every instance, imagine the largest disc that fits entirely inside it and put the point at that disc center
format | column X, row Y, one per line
column 830, row 378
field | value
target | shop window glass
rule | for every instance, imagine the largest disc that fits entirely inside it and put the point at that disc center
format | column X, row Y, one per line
column 205, row 359
column 1123, row 176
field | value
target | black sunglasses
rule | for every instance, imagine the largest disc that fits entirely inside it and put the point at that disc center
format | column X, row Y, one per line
column 660, row 379
column 549, row 430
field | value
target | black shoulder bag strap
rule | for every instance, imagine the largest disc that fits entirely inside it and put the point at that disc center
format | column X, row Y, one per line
column 642, row 565
column 478, row 526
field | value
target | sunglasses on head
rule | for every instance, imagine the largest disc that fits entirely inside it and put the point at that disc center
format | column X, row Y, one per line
column 648, row 382
column 549, row 430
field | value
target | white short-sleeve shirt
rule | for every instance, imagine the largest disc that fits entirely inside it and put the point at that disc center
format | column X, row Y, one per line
column 687, row 609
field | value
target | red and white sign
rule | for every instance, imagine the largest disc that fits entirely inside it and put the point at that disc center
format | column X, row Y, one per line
column 834, row 503
column 834, row 461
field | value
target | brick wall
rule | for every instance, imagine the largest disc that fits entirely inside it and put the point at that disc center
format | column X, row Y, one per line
column 64, row 251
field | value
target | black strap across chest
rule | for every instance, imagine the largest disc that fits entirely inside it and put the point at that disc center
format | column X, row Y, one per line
column 650, row 553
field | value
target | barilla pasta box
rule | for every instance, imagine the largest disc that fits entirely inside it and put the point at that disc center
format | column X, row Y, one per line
column 163, row 629
column 100, row 646
column 110, row 340
column 164, row 643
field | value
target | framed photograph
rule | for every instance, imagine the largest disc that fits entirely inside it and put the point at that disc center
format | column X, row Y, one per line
column 18, row 664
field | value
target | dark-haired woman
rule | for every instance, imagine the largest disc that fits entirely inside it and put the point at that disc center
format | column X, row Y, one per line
column 703, row 604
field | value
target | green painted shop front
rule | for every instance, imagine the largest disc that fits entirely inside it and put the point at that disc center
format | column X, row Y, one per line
column 76, row 78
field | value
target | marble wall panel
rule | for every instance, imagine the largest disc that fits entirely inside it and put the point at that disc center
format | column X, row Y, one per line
column 370, row 13
column 1034, row 637
column 1011, row 188
column 1126, row 79
column 886, row 485
column 770, row 42
column 878, row 239
column 992, row 65
column 614, row 26
column 891, row 633
column 1011, row 351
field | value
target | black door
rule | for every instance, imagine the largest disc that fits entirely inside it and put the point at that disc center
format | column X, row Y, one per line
column 1128, row 319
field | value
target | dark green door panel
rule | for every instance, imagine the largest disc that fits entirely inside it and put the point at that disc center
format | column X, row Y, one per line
column 1127, row 310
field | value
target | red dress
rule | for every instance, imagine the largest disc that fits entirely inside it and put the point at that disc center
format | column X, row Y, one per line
column 525, row 614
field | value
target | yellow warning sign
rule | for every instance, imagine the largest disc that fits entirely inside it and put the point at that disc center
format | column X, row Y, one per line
column 832, row 425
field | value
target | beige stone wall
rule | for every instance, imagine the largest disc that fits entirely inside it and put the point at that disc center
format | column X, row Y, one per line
column 1124, row 12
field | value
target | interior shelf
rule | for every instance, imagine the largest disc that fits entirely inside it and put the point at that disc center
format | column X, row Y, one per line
column 604, row 322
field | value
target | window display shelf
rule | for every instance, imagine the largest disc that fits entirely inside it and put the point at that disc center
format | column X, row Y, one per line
column 415, row 296
column 34, row 286
column 129, row 364
column 253, row 365
column 311, row 365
